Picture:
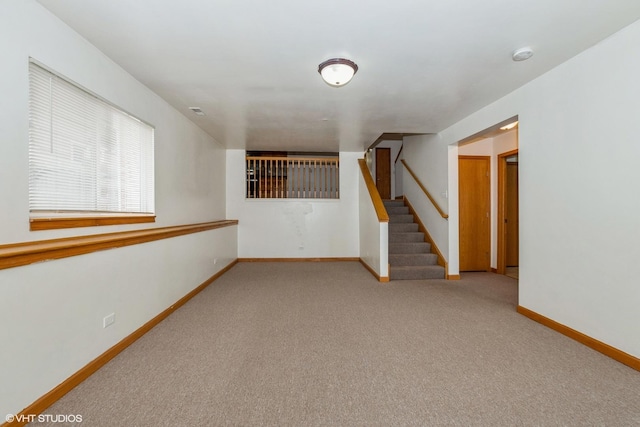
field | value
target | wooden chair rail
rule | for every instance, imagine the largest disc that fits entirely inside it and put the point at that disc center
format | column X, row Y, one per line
column 381, row 212
column 426, row 192
column 18, row 254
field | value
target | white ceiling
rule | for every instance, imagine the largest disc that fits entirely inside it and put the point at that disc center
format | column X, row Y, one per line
column 251, row 65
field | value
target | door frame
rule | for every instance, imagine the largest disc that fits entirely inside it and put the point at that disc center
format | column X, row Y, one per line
column 502, row 210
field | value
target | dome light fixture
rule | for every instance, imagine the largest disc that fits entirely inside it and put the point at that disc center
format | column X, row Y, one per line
column 522, row 54
column 337, row 72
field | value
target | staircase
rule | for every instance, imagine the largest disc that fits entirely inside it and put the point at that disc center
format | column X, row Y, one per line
column 410, row 257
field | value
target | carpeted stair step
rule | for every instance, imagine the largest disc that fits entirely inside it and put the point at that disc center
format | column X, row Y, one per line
column 410, row 237
column 400, row 260
column 397, row 210
column 410, row 257
column 393, row 203
column 417, row 272
column 401, row 218
column 410, row 248
column 402, row 227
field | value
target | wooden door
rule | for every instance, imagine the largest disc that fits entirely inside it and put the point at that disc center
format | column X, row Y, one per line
column 474, row 212
column 511, row 220
column 383, row 172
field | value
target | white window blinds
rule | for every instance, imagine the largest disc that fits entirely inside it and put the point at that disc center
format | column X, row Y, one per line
column 85, row 156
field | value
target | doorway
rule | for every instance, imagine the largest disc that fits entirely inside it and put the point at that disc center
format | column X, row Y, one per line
column 383, row 172
column 474, row 199
column 508, row 214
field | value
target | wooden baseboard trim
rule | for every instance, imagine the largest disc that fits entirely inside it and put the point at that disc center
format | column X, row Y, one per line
column 494, row 270
column 372, row 271
column 453, row 277
column 328, row 259
column 70, row 383
column 599, row 346
column 18, row 254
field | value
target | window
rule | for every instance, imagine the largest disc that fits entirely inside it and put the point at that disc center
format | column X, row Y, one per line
column 281, row 175
column 87, row 158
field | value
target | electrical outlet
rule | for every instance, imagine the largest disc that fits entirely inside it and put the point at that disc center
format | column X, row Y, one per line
column 109, row 320
column 215, row 261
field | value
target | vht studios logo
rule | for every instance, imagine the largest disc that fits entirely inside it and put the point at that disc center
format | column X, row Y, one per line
column 43, row 418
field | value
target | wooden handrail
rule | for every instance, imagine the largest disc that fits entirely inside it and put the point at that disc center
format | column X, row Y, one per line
column 290, row 159
column 381, row 212
column 398, row 156
column 17, row 254
column 426, row 192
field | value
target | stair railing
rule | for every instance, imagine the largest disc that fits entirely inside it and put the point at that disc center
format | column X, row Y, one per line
column 441, row 259
column 374, row 228
column 425, row 191
column 381, row 211
column 292, row 177
column 399, row 153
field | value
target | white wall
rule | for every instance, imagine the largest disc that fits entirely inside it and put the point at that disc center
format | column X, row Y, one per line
column 374, row 235
column 578, row 154
column 51, row 313
column 492, row 147
column 187, row 160
column 426, row 156
column 295, row 228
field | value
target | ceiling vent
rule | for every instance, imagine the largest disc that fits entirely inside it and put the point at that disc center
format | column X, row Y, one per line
column 197, row 110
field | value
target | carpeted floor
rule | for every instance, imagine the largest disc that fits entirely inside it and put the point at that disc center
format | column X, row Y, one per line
column 325, row 344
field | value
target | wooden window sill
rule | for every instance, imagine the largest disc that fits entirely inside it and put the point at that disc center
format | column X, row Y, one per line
column 37, row 224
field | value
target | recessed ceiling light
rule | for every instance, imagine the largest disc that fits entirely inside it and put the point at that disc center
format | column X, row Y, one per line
column 509, row 126
column 522, row 54
column 197, row 110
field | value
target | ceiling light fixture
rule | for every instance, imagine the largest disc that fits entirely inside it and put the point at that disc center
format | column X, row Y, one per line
column 337, row 72
column 522, row 54
column 509, row 126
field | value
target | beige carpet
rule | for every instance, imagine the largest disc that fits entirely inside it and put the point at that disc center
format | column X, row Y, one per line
column 325, row 344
